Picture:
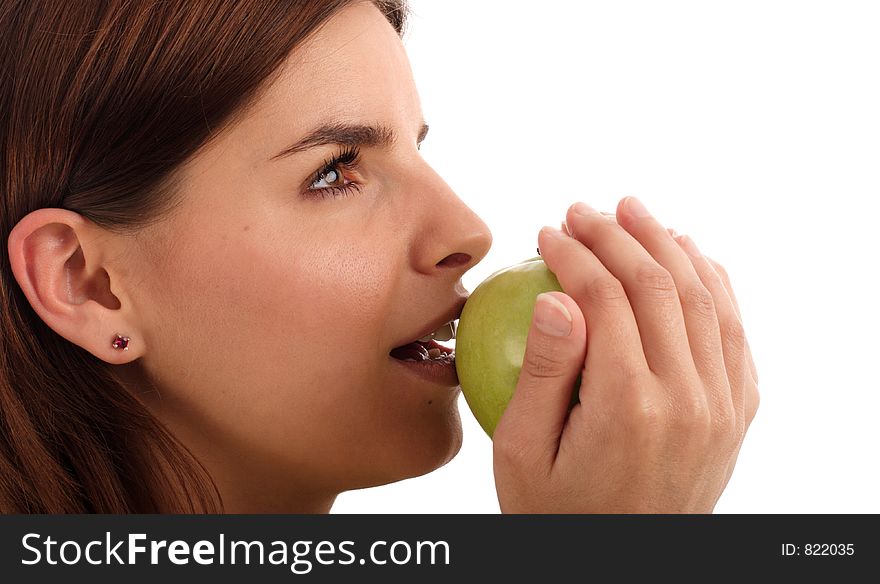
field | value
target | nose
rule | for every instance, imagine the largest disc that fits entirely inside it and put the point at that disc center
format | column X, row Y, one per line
column 450, row 237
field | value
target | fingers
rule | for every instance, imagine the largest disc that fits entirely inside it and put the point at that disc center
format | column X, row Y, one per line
column 732, row 335
column 697, row 301
column 611, row 329
column 649, row 287
column 725, row 279
column 751, row 398
column 564, row 228
column 555, row 348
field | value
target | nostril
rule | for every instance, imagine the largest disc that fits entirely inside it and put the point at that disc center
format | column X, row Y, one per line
column 454, row 260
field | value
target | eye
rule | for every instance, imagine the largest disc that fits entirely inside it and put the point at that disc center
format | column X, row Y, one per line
column 331, row 179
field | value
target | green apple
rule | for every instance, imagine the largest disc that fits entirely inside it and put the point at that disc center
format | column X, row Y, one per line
column 490, row 340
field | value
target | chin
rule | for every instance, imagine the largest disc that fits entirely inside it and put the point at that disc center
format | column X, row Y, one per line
column 416, row 450
column 429, row 449
column 440, row 442
column 447, row 445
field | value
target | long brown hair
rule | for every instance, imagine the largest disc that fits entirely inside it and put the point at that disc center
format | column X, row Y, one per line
column 100, row 103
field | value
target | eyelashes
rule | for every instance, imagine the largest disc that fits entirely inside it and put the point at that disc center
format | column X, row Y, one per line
column 333, row 171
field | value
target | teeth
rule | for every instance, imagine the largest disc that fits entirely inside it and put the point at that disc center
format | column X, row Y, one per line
column 432, row 354
column 444, row 333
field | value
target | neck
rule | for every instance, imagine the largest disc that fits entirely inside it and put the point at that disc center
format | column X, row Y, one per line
column 263, row 501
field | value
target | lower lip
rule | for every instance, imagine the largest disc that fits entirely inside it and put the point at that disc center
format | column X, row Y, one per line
column 437, row 372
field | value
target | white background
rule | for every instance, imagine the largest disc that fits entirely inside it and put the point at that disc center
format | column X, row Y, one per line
column 754, row 127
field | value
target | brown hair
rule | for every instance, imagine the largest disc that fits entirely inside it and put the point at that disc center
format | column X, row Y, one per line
column 101, row 102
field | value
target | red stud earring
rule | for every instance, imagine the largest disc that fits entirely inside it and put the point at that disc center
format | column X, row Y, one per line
column 121, row 342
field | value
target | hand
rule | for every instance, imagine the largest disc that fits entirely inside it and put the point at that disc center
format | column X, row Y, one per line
column 669, row 386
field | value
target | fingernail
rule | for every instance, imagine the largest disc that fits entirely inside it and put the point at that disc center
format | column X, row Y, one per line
column 552, row 232
column 636, row 208
column 583, row 209
column 672, row 232
column 551, row 316
column 689, row 246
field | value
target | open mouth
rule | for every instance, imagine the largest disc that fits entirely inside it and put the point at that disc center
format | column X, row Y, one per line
column 427, row 348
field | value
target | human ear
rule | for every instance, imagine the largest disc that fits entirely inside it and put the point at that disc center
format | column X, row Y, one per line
column 57, row 258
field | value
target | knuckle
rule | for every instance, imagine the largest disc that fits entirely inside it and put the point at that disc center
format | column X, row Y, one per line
column 697, row 299
column 718, row 268
column 691, row 414
column 740, row 432
column 753, row 401
column 725, row 428
column 733, row 331
column 647, row 415
column 507, row 449
column 655, row 279
column 606, row 289
column 542, row 362
column 629, row 375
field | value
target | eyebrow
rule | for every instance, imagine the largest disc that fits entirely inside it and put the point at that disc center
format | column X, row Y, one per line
column 347, row 135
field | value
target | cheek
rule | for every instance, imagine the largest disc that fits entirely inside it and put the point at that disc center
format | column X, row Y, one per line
column 269, row 306
column 273, row 349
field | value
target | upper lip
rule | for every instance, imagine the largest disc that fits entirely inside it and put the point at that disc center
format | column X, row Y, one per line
column 451, row 314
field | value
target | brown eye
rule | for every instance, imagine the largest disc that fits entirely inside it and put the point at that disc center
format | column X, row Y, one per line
column 330, row 179
column 338, row 176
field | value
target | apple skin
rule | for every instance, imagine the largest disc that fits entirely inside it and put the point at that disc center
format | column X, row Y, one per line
column 490, row 340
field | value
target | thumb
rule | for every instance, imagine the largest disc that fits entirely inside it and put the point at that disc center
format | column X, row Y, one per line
column 554, row 357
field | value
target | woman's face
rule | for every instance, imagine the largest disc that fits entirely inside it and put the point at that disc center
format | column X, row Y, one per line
column 269, row 302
